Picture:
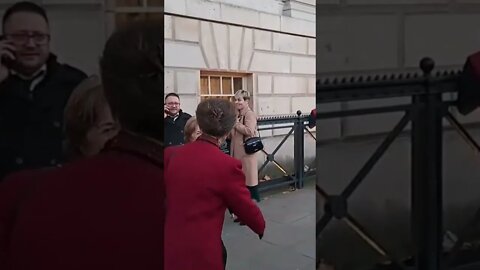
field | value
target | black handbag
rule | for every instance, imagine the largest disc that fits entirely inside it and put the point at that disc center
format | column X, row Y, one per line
column 252, row 144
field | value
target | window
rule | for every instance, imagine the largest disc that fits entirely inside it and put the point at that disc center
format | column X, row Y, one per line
column 221, row 84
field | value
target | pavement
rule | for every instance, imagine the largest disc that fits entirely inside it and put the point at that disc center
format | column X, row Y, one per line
column 289, row 240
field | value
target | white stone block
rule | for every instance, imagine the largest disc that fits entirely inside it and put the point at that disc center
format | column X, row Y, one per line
column 187, row 82
column 448, row 39
column 375, row 40
column 203, row 9
column 236, row 40
column 328, row 128
column 183, row 55
column 373, row 124
column 186, row 29
column 298, row 26
column 168, row 30
column 208, row 45
column 308, row 2
column 268, row 62
column 312, row 49
column 303, row 65
column 312, row 85
column 78, row 36
column 221, row 44
column 175, row 6
column 239, row 15
column 298, row 14
column 304, row 104
column 270, row 21
column 264, row 84
column 273, row 105
column 247, row 51
column 269, row 6
column 263, row 40
column 289, row 43
column 290, row 85
column 189, row 103
column 169, row 77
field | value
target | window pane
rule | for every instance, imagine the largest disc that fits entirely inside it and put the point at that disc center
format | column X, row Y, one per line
column 215, row 85
column 155, row 3
column 129, row 3
column 204, row 85
column 237, row 84
column 227, row 85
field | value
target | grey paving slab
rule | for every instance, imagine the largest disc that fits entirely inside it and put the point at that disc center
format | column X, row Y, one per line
column 289, row 240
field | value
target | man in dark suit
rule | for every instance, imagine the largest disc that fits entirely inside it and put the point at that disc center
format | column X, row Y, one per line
column 174, row 121
column 107, row 211
column 34, row 88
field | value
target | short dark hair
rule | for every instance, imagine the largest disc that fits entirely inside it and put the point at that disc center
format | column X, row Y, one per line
column 172, row 95
column 24, row 6
column 216, row 116
column 132, row 75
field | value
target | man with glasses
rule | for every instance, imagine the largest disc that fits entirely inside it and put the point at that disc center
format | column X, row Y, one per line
column 174, row 120
column 34, row 88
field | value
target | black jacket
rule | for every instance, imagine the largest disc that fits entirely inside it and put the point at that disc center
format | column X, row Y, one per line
column 31, row 122
column 174, row 129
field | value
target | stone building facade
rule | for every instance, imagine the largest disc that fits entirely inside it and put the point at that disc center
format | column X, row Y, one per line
column 213, row 48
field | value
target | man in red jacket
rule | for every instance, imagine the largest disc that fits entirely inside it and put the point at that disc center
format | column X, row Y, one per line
column 104, row 212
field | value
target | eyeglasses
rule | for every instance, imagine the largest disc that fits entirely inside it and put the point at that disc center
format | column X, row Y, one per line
column 173, row 104
column 23, row 38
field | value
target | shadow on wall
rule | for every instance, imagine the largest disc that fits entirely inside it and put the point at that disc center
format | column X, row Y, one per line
column 381, row 204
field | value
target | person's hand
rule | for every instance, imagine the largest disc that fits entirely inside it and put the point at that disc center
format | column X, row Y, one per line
column 6, row 52
column 166, row 111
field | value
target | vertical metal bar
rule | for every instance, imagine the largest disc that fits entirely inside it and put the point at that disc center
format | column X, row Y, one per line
column 295, row 153
column 427, row 176
column 301, row 150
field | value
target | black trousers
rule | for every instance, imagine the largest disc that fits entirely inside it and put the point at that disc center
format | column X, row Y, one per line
column 224, row 253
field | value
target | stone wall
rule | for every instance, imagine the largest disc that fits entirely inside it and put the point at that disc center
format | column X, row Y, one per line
column 280, row 56
column 282, row 65
column 390, row 36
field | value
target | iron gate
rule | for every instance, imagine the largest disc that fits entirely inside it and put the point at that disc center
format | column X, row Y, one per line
column 426, row 112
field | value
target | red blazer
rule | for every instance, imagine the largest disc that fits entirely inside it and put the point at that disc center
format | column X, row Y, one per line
column 201, row 182
column 106, row 212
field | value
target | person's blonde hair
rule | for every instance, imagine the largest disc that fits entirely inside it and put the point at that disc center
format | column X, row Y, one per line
column 243, row 94
column 82, row 111
column 190, row 128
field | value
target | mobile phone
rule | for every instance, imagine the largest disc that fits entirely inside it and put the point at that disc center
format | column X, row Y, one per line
column 7, row 61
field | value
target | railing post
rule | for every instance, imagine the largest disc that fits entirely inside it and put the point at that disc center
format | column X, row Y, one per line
column 427, row 175
column 298, row 145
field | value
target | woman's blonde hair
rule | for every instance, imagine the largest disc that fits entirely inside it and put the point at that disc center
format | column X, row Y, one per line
column 243, row 94
column 82, row 111
column 189, row 128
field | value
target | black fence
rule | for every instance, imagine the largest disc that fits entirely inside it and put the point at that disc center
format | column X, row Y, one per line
column 297, row 126
column 425, row 112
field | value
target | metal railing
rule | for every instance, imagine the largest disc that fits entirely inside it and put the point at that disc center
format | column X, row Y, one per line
column 426, row 112
column 298, row 127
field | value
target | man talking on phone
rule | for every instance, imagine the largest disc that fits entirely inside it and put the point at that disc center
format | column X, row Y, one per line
column 34, row 88
column 174, row 120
